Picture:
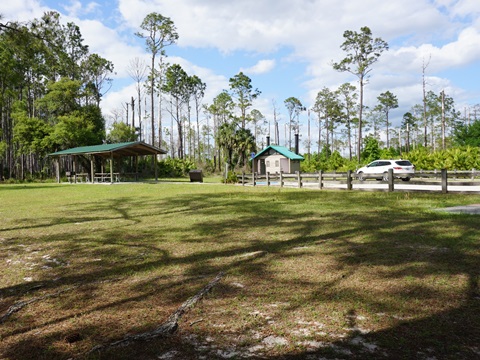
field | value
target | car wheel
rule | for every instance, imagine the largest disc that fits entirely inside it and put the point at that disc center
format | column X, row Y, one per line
column 406, row 179
column 385, row 176
column 361, row 176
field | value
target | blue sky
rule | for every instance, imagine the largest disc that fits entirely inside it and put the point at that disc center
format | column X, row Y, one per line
column 286, row 47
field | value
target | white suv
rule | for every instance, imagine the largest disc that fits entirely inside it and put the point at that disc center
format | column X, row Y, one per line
column 378, row 169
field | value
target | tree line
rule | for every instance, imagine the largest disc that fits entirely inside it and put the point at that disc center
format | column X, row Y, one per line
column 231, row 128
column 51, row 88
column 50, row 92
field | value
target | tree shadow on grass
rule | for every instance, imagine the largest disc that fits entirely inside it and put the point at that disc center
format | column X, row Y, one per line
column 369, row 237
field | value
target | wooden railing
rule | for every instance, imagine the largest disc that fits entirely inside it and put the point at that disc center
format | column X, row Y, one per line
column 349, row 180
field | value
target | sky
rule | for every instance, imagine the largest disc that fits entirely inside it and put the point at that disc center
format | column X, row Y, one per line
column 286, row 47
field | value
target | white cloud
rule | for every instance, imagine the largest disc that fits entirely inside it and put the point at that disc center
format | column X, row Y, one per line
column 262, row 67
column 21, row 10
column 75, row 8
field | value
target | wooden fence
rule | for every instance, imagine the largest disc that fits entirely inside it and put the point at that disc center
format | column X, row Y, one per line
column 441, row 179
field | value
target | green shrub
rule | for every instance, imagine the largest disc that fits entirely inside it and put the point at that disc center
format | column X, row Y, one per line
column 231, row 178
column 175, row 167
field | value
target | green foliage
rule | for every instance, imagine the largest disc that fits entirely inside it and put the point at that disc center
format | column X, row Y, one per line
column 460, row 158
column 174, row 167
column 82, row 127
column 390, row 153
column 45, row 63
column 207, row 166
column 362, row 52
column 335, row 161
column 30, row 132
column 159, row 31
column 231, row 178
column 242, row 89
column 468, row 135
column 236, row 143
column 371, row 150
column 3, row 148
column 62, row 98
column 121, row 132
column 326, row 161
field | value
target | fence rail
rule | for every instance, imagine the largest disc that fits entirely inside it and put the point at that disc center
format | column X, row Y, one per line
column 435, row 180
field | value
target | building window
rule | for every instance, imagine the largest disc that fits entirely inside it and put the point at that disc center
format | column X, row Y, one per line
column 268, row 163
column 277, row 164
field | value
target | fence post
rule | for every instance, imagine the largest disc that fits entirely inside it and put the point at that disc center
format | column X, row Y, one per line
column 268, row 178
column 253, row 178
column 243, row 178
column 281, row 178
column 320, row 179
column 444, row 181
column 349, row 180
column 299, row 179
column 390, row 180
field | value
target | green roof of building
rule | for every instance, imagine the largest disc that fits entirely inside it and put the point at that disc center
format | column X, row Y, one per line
column 281, row 150
column 117, row 150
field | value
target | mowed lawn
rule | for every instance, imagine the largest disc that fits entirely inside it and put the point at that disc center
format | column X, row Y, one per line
column 308, row 274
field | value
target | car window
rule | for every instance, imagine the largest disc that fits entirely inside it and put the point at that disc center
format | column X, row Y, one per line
column 373, row 164
column 384, row 163
column 403, row 163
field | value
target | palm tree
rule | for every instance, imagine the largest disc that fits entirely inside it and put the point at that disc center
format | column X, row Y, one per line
column 244, row 144
column 226, row 140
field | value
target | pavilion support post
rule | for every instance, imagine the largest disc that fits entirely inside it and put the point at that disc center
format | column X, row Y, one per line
column 74, row 169
column 92, row 169
column 136, row 167
column 155, row 164
column 111, row 167
column 119, row 170
column 57, row 170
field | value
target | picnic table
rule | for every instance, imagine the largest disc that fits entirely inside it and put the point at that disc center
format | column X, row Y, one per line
column 106, row 177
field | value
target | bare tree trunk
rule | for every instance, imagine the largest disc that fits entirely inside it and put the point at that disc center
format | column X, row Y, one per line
column 133, row 112
column 360, row 113
column 388, row 142
column 319, row 148
column 443, row 120
column 160, row 126
column 152, row 99
column 424, row 84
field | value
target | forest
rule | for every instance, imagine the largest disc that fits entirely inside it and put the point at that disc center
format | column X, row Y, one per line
column 51, row 88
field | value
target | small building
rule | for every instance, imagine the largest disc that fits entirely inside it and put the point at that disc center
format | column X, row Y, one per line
column 274, row 159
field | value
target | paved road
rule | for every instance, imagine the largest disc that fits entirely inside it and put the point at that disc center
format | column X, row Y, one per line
column 378, row 185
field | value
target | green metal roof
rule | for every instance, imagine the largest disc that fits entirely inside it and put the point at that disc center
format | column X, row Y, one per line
column 116, row 150
column 281, row 150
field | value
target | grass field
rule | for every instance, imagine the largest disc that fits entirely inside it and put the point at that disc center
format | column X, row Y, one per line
column 308, row 274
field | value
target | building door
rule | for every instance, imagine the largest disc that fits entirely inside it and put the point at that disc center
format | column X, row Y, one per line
column 263, row 169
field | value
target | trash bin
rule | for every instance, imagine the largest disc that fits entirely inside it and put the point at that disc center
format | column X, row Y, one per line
column 196, row 175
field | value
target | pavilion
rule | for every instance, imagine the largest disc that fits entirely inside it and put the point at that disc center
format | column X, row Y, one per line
column 105, row 152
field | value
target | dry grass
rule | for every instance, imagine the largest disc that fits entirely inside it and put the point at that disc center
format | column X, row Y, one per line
column 319, row 274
